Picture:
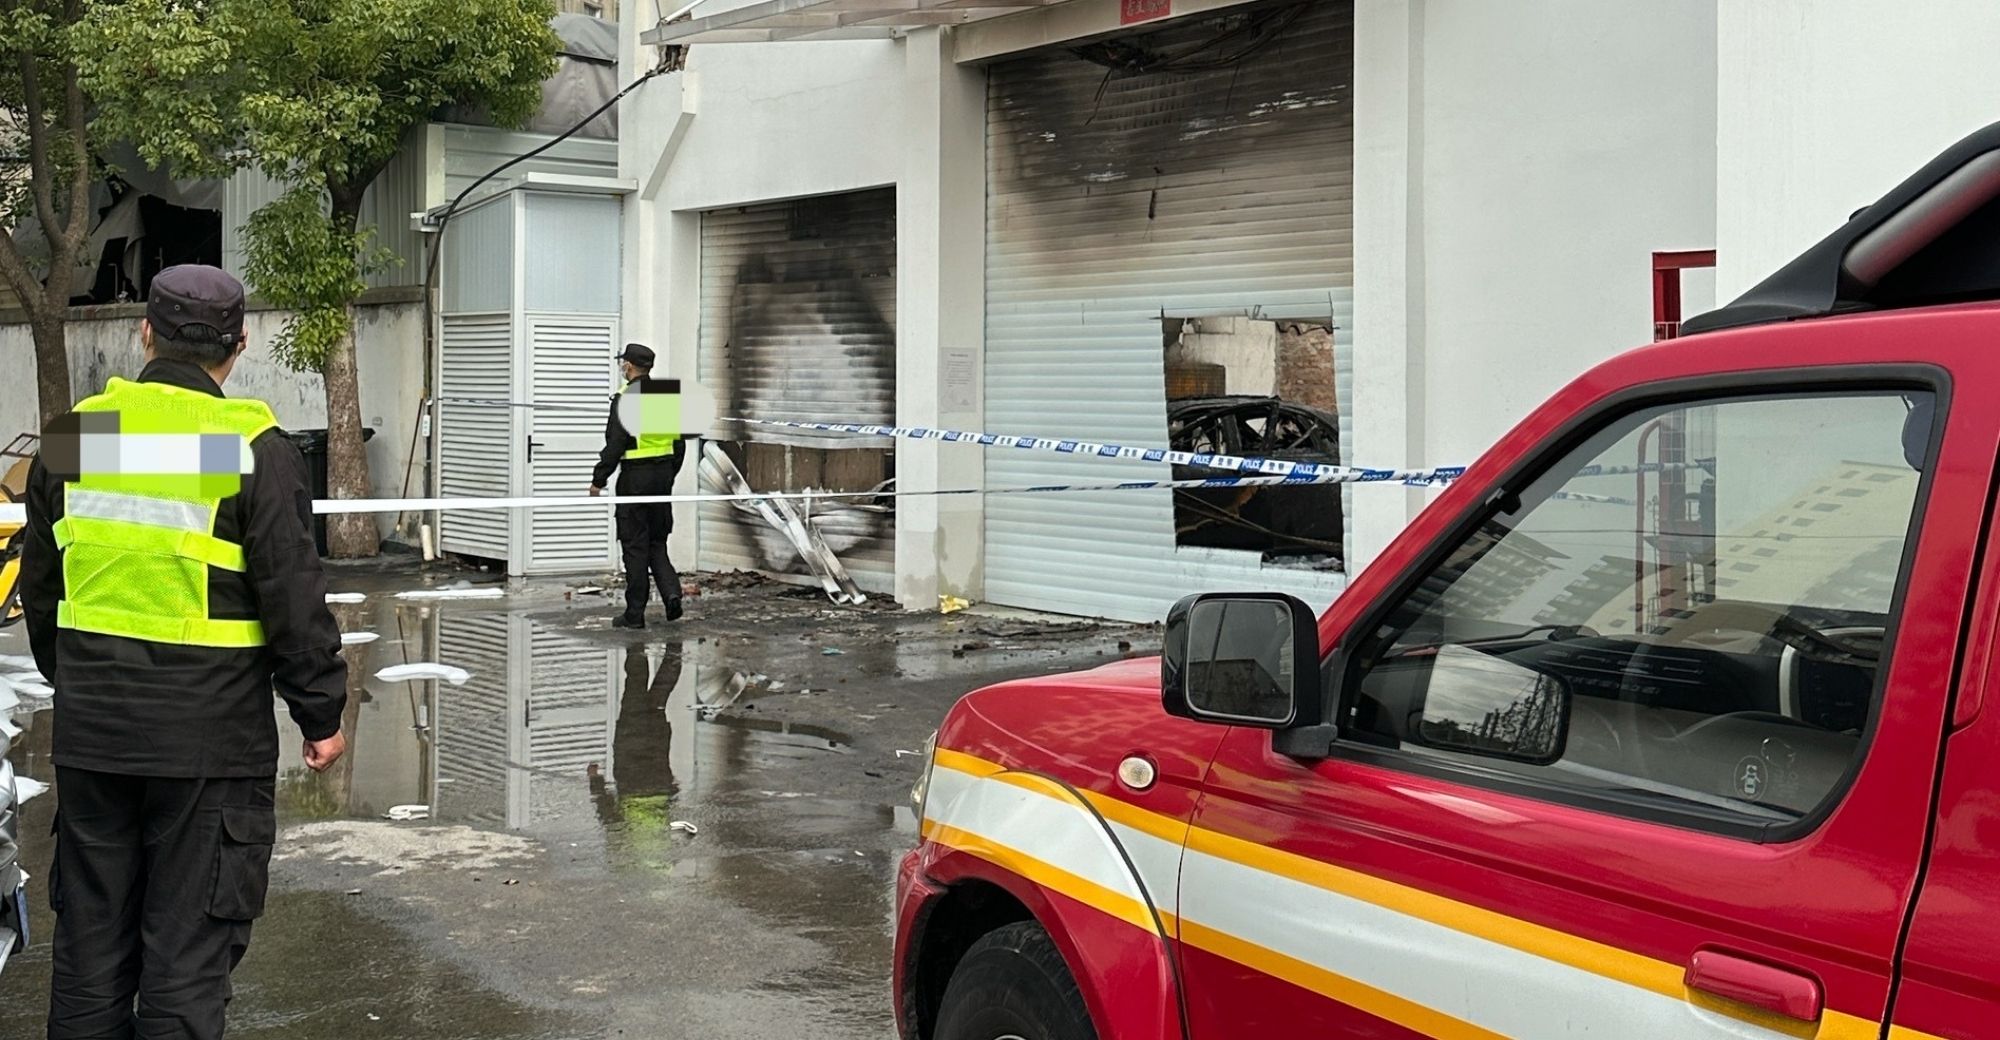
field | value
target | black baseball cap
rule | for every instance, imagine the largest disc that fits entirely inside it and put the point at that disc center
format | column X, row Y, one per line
column 638, row 354
column 189, row 295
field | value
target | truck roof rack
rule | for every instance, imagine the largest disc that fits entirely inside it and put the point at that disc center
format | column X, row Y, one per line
column 1935, row 238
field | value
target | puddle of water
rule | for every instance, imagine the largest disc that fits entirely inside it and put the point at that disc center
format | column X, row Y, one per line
column 589, row 751
column 555, row 735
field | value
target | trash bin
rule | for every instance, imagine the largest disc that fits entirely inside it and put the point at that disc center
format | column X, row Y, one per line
column 312, row 444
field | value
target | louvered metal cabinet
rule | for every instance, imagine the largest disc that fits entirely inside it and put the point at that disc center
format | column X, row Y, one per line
column 525, row 375
column 1115, row 201
column 798, row 322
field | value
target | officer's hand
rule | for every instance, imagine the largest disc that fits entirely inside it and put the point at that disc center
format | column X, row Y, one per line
column 323, row 753
column 595, row 491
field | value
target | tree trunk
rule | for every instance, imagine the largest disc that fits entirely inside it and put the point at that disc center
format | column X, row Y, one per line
column 348, row 535
column 52, row 384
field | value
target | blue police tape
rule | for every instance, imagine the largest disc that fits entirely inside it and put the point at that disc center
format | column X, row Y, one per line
column 1304, row 472
column 1201, row 460
column 1269, row 472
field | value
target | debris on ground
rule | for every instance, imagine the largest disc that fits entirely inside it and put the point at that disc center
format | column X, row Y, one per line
column 404, row 813
column 424, row 670
column 26, row 788
column 832, row 651
column 346, row 597
column 683, row 825
column 952, row 604
column 357, row 638
column 456, row 592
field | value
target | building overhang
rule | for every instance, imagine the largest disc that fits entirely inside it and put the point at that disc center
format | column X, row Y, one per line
column 774, row 21
column 988, row 29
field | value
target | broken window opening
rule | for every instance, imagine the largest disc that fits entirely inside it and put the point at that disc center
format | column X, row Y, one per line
column 1263, row 389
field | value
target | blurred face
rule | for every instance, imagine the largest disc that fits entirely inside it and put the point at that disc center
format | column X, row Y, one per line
column 630, row 370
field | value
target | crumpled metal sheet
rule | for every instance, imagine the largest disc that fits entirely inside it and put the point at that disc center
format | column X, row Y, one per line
column 720, row 473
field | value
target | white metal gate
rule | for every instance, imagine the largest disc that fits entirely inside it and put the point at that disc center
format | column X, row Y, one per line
column 571, row 381
column 1116, row 201
column 798, row 322
column 475, row 442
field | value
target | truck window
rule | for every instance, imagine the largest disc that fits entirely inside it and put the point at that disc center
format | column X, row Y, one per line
column 1708, row 585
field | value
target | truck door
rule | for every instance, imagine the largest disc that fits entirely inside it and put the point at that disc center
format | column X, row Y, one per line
column 1637, row 729
column 1949, row 980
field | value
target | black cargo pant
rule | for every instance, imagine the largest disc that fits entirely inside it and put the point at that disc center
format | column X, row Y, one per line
column 642, row 534
column 154, row 887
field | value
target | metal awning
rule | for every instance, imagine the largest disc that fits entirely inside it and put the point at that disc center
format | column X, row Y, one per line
column 775, row 20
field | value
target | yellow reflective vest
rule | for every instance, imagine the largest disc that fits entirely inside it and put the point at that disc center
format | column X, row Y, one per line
column 155, row 465
column 659, row 417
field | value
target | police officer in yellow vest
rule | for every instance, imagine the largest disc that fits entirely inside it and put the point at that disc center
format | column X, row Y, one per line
column 642, row 442
column 170, row 585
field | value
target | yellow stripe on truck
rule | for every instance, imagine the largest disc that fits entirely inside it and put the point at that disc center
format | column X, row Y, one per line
column 1047, row 875
column 1548, row 944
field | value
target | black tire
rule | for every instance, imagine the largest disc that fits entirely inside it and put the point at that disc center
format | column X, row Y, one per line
column 1013, row 985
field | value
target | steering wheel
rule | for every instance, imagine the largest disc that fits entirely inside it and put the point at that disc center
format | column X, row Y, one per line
column 1757, row 619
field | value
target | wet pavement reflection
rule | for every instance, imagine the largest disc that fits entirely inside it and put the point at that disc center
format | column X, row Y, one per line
column 687, row 831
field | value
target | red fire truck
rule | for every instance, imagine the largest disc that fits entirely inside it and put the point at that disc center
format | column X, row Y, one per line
column 1668, row 720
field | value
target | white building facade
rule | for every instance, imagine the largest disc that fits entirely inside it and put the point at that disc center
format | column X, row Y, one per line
column 1010, row 218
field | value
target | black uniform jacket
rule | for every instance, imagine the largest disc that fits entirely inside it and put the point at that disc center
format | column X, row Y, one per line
column 157, row 709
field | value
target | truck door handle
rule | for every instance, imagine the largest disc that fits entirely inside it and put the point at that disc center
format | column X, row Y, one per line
column 1778, row 990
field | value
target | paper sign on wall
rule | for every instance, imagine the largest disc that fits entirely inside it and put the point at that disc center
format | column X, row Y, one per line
column 1131, row 12
column 961, row 381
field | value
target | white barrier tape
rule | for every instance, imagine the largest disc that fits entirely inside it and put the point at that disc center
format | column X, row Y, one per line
column 425, row 505
column 17, row 513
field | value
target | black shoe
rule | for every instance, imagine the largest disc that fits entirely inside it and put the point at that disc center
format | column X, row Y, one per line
column 674, row 610
column 628, row 621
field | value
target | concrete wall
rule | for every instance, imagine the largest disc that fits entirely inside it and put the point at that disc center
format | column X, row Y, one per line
column 1826, row 104
column 1246, row 349
column 1515, row 167
column 104, row 342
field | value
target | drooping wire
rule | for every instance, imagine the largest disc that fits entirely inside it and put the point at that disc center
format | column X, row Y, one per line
column 444, row 220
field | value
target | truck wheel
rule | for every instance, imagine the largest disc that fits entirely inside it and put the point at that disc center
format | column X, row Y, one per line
column 1013, row 985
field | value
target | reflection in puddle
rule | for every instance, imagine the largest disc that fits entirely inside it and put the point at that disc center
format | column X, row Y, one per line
column 549, row 727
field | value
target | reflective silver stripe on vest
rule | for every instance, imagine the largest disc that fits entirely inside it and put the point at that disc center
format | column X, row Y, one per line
column 137, row 509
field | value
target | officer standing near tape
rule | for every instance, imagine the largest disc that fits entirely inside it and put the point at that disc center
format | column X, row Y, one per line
column 642, row 441
column 170, row 584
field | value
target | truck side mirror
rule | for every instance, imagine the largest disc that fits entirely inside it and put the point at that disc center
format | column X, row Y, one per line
column 1243, row 659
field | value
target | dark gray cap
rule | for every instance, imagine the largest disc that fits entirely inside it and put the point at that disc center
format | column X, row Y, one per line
column 196, row 295
column 638, row 354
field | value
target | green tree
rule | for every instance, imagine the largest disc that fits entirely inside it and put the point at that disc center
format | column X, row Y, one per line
column 319, row 94
column 45, row 170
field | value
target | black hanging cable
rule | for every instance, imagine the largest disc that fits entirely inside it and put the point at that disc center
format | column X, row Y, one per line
column 444, row 220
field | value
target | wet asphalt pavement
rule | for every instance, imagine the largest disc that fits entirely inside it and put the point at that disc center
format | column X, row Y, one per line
column 548, row 894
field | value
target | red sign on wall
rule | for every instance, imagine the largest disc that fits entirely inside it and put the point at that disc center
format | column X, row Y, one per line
column 1131, row 12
